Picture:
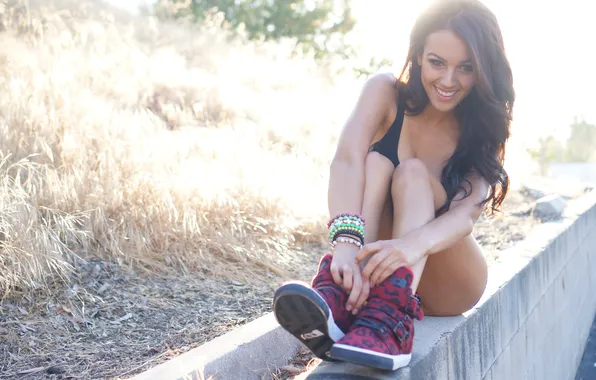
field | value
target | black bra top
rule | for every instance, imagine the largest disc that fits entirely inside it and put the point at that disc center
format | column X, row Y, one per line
column 387, row 145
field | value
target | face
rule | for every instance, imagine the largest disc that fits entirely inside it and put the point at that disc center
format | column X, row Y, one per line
column 446, row 70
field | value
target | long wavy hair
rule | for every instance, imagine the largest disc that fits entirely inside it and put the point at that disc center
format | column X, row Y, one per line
column 485, row 114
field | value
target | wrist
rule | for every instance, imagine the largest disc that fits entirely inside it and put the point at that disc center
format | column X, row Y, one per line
column 342, row 248
column 419, row 246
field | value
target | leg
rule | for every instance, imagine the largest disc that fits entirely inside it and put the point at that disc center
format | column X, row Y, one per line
column 415, row 199
column 448, row 282
column 453, row 280
column 378, row 172
column 382, row 335
column 316, row 315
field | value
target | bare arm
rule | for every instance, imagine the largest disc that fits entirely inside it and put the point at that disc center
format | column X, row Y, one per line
column 455, row 224
column 435, row 236
column 346, row 179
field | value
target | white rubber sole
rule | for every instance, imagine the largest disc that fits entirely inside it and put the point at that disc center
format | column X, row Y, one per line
column 369, row 358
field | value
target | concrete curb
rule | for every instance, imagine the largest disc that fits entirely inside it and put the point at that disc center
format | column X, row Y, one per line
column 248, row 352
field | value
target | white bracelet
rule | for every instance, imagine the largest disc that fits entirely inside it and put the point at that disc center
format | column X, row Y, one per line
column 343, row 239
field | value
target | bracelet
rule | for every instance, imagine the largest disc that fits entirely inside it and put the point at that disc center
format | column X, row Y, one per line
column 344, row 217
column 343, row 239
column 349, row 233
column 346, row 222
column 346, row 227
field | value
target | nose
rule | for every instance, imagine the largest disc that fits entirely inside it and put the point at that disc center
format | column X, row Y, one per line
column 448, row 78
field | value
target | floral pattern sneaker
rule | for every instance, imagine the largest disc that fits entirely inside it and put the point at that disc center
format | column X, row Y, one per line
column 383, row 332
column 316, row 315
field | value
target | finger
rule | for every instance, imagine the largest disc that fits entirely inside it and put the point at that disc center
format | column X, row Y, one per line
column 374, row 262
column 368, row 249
column 395, row 261
column 364, row 293
column 381, row 274
column 336, row 275
column 347, row 271
column 356, row 289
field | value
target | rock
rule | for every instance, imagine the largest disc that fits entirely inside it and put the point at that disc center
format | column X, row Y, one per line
column 549, row 207
column 56, row 370
column 533, row 192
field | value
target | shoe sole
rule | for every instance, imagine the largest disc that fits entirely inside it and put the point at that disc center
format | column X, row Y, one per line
column 302, row 312
column 369, row 358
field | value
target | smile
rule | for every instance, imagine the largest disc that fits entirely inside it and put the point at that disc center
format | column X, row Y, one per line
column 445, row 94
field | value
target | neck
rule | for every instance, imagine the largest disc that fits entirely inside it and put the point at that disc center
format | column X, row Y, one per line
column 435, row 118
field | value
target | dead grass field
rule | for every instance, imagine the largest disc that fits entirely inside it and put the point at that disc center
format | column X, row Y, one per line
column 159, row 145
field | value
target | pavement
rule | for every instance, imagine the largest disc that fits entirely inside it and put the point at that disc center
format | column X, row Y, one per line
column 587, row 366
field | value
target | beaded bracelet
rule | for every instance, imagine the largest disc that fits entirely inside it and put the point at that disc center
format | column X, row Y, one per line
column 345, row 216
column 346, row 222
column 346, row 227
column 343, row 239
column 350, row 233
column 350, row 226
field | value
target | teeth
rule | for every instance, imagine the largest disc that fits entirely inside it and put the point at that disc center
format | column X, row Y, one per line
column 443, row 93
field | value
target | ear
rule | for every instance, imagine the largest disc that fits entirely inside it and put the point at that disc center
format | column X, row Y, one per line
column 419, row 59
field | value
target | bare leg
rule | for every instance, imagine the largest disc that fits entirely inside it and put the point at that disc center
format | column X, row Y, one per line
column 415, row 200
column 379, row 171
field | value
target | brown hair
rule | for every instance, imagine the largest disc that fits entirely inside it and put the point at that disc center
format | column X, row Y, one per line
column 485, row 114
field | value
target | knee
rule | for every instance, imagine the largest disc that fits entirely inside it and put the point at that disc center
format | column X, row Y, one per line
column 412, row 168
column 409, row 172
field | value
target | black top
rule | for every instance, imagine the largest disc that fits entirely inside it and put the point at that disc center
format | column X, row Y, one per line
column 387, row 145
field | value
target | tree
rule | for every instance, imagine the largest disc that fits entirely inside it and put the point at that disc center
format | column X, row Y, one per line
column 581, row 145
column 317, row 26
column 549, row 149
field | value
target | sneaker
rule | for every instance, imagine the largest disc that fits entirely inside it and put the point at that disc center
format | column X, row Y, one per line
column 383, row 333
column 316, row 315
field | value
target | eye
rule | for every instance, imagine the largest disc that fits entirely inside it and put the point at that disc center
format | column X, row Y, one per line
column 435, row 62
column 467, row 68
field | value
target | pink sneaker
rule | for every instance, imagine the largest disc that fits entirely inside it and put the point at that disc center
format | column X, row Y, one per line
column 383, row 333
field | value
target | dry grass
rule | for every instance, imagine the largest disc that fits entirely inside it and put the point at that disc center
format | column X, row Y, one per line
column 167, row 146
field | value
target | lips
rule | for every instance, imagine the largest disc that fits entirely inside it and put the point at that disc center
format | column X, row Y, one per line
column 446, row 95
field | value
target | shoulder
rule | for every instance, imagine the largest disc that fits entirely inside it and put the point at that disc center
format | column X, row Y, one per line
column 382, row 90
column 382, row 83
column 374, row 111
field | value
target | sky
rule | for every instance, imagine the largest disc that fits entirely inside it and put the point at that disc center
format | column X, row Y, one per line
column 547, row 45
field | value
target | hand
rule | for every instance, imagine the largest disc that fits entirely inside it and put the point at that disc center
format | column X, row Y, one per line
column 346, row 273
column 387, row 257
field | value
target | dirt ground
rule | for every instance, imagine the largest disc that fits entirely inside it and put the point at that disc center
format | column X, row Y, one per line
column 113, row 322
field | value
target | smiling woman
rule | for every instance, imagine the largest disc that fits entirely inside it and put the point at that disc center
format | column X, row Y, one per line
column 418, row 161
column 447, row 74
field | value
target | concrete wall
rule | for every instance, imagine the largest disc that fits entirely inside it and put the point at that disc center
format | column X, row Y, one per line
column 532, row 322
column 556, row 302
column 581, row 171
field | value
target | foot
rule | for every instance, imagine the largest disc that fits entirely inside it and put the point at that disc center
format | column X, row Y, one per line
column 316, row 315
column 383, row 332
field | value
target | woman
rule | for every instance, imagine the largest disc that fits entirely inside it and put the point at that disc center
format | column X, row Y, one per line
column 418, row 161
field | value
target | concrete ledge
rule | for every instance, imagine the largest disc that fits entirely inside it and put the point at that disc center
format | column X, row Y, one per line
column 531, row 323
column 248, row 352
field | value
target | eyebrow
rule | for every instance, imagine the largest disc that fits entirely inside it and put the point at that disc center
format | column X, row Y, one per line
column 443, row 59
